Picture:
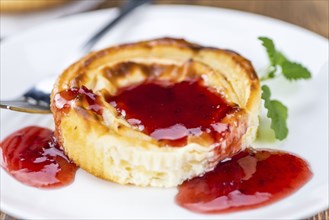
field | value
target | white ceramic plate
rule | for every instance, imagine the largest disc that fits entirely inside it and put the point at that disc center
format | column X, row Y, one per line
column 32, row 55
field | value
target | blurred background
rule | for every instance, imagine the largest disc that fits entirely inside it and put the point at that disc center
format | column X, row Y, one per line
column 19, row 15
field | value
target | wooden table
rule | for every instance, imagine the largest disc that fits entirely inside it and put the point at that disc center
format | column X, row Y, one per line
column 310, row 14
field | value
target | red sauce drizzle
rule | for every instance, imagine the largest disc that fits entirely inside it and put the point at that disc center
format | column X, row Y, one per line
column 169, row 112
column 250, row 179
column 33, row 156
column 64, row 99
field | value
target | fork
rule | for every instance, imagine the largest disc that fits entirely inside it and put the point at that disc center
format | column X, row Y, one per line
column 37, row 99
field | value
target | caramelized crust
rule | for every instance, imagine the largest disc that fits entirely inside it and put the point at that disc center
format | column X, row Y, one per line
column 106, row 145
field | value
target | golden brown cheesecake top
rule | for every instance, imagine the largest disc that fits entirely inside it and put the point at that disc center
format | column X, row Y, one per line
column 105, row 132
column 114, row 80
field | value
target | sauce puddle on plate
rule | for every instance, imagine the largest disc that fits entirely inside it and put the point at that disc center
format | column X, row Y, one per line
column 250, row 179
column 33, row 156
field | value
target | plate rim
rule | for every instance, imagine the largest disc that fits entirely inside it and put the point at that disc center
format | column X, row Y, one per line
column 10, row 210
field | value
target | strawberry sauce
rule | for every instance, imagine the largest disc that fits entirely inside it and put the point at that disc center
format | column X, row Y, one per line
column 250, row 179
column 172, row 112
column 64, row 99
column 33, row 156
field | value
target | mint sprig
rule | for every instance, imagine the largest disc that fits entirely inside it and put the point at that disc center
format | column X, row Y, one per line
column 279, row 65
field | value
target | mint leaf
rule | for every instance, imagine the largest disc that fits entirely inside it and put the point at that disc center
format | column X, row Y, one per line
column 277, row 112
column 266, row 93
column 276, row 57
column 270, row 49
column 280, row 58
column 294, row 71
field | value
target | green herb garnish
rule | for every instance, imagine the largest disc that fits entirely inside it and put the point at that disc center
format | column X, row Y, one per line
column 279, row 65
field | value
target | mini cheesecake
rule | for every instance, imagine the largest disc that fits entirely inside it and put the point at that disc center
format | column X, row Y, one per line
column 155, row 113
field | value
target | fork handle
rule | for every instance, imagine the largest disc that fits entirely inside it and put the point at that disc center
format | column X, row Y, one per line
column 22, row 105
column 125, row 9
